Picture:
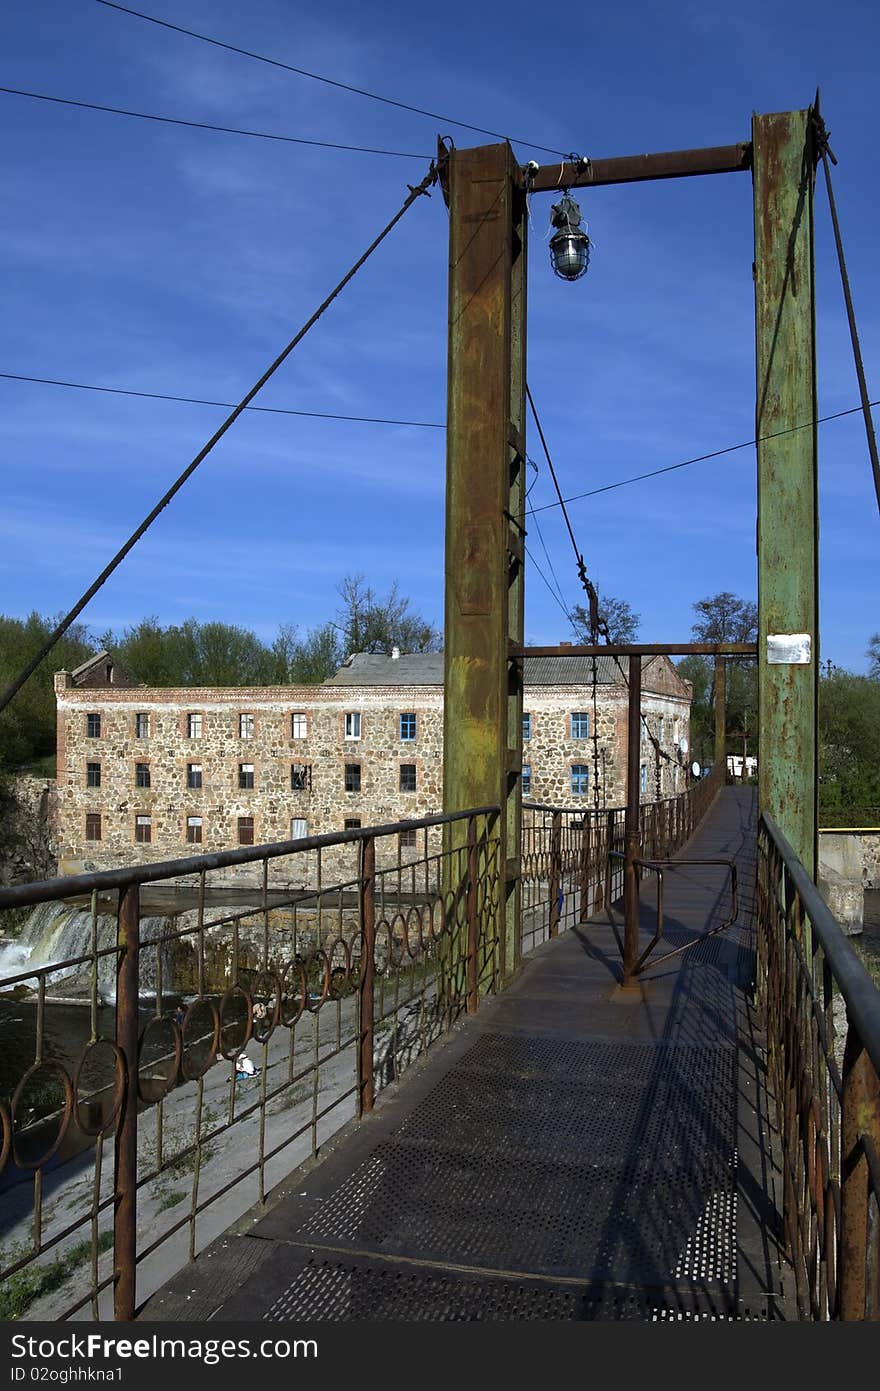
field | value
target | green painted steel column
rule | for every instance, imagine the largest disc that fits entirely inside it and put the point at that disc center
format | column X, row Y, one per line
column 483, row 607
column 783, row 175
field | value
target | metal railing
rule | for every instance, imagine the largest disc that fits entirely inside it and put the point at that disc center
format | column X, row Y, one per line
column 335, row 990
column 131, row 1130
column 822, row 1014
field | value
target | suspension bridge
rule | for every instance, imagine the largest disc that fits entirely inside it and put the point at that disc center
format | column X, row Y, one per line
column 604, row 1063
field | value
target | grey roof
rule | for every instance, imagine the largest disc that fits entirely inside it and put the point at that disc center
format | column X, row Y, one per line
column 426, row 669
column 87, row 665
column 378, row 669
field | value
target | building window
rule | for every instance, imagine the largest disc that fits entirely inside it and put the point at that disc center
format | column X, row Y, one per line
column 245, row 726
column 143, row 830
column 142, row 775
column 644, row 735
column 352, row 777
column 580, row 725
column 194, row 830
column 407, row 840
column 353, row 724
column 142, row 726
column 93, row 775
column 245, row 774
column 108, row 673
column 580, row 779
column 93, row 726
column 194, row 726
column 245, row 830
column 93, row 825
column 300, row 777
column 660, row 729
column 527, row 780
column 298, row 727
column 643, row 778
column 352, row 823
column 408, row 725
column 193, row 774
column 407, row 777
column 527, row 726
column 298, row 828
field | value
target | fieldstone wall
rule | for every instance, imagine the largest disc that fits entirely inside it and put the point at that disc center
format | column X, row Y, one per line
column 142, row 747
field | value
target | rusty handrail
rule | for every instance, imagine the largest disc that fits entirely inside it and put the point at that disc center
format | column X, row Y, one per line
column 657, row 867
column 74, row 885
column 825, row 1075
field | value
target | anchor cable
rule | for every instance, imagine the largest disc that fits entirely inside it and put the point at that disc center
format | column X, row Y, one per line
column 826, row 153
column 415, row 192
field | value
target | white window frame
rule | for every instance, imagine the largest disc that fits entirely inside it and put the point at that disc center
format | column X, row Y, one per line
column 353, row 724
column 579, row 715
column 299, row 828
column 194, row 724
column 245, row 725
column 299, row 725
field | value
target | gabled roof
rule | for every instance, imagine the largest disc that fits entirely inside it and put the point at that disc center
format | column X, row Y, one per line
column 93, row 672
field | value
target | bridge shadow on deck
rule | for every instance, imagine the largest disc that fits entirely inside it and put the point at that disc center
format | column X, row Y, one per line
column 569, row 1153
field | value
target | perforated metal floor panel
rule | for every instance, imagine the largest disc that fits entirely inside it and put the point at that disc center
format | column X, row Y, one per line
column 343, row 1290
column 555, row 1157
column 570, row 1154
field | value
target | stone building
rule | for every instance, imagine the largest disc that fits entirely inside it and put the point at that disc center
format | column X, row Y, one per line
column 159, row 773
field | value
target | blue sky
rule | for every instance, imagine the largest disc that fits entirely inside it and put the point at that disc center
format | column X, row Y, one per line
column 160, row 259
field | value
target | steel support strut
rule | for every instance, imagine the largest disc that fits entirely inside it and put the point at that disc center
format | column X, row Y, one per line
column 631, row 845
column 485, row 502
column 788, row 661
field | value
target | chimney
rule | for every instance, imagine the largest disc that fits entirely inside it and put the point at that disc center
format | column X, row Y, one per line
column 395, row 653
column 565, row 644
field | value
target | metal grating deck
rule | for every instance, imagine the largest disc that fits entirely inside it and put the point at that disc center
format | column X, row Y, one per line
column 564, row 1155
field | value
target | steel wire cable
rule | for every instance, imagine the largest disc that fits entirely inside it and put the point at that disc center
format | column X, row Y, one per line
column 205, row 125
column 825, row 153
column 415, row 192
column 700, row 458
column 329, row 81
column 200, row 401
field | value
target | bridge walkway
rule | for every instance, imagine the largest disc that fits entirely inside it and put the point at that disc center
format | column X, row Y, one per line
column 571, row 1152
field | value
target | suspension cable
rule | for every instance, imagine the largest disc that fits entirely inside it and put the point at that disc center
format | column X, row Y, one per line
column 826, row 153
column 597, row 626
column 414, row 192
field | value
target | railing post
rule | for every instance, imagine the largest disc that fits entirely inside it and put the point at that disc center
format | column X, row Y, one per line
column 585, row 868
column 367, row 974
column 126, row 1141
column 606, row 889
column 473, row 996
column 631, row 828
column 860, row 1117
column 555, row 870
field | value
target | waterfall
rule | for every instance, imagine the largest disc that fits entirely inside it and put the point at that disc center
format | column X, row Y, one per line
column 55, row 932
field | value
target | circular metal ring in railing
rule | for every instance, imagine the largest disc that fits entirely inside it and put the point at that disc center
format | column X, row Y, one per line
column 152, row 1089
column 119, row 1081
column 66, row 1113
column 263, row 1015
column 245, row 1026
column 6, row 1134
column 189, row 1071
column 291, row 1017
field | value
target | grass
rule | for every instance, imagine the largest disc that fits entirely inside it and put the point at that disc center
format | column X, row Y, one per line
column 170, row 1200
column 21, row 1289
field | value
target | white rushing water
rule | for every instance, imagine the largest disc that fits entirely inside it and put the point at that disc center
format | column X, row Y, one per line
column 56, row 933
